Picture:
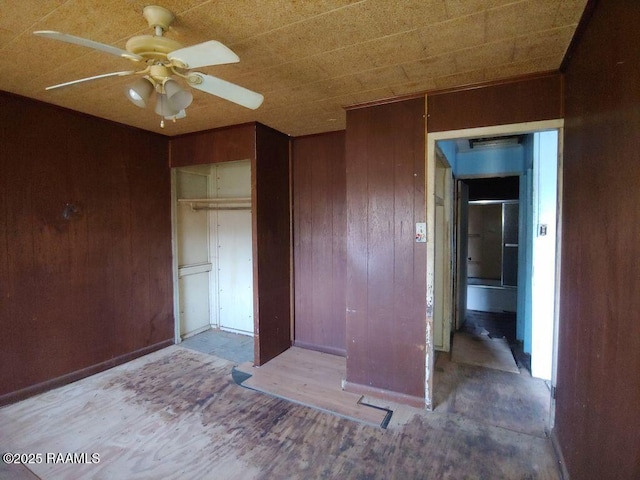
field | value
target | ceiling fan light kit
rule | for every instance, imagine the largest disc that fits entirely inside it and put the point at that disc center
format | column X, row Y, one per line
column 140, row 91
column 164, row 108
column 176, row 95
column 165, row 61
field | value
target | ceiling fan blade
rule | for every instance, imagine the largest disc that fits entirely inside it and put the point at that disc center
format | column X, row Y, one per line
column 227, row 90
column 96, row 77
column 203, row 55
column 65, row 37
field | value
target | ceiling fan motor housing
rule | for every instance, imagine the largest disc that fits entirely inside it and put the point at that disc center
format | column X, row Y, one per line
column 152, row 47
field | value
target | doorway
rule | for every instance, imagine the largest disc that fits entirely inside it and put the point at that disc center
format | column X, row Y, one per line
column 536, row 220
column 213, row 249
column 488, row 234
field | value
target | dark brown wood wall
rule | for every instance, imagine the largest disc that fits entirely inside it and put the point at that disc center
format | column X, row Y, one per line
column 386, row 268
column 598, row 384
column 272, row 247
column 526, row 99
column 226, row 144
column 85, row 245
column 319, row 239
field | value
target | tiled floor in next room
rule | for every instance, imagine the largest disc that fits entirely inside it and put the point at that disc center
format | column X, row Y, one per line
column 230, row 346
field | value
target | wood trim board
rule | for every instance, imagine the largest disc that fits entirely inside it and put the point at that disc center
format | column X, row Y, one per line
column 313, row 379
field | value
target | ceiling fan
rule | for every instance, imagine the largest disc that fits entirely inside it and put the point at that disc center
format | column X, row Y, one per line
column 166, row 60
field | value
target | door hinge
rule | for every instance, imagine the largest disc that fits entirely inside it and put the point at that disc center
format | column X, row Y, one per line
column 553, row 391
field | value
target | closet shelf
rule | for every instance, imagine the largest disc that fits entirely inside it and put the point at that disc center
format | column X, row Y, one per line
column 224, row 203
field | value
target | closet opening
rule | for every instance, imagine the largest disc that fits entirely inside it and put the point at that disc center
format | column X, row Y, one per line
column 213, row 256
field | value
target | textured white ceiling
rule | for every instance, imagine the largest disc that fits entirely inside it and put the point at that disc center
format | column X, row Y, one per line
column 309, row 59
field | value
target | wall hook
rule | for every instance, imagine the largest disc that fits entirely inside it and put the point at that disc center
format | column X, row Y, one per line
column 69, row 210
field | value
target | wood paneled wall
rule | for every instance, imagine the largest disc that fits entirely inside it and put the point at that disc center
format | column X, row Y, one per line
column 85, row 245
column 227, row 144
column 272, row 247
column 319, row 239
column 598, row 384
column 386, row 268
column 526, row 99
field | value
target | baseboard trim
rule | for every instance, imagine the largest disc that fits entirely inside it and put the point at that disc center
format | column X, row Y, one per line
column 32, row 390
column 320, row 348
column 559, row 456
column 397, row 397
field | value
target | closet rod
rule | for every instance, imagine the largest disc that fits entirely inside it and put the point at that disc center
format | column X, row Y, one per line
column 222, row 207
column 228, row 203
column 215, row 200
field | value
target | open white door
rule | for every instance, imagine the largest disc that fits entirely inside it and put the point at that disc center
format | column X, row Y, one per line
column 545, row 168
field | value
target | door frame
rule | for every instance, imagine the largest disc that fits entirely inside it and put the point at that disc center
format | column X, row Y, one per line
column 443, row 233
column 177, row 338
column 460, row 273
column 496, row 130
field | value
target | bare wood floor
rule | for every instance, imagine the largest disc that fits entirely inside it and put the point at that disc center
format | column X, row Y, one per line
column 516, row 402
column 177, row 414
column 312, row 379
column 483, row 351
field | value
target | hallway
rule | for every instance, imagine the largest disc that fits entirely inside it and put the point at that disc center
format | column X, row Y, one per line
column 499, row 325
column 508, row 399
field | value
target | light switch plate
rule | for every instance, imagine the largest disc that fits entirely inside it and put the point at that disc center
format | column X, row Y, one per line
column 421, row 232
column 542, row 230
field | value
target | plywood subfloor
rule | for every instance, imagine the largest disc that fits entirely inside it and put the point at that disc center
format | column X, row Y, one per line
column 519, row 403
column 313, row 379
column 483, row 351
column 177, row 414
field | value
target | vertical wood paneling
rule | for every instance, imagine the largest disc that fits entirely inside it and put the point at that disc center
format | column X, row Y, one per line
column 528, row 99
column 272, row 244
column 598, row 386
column 85, row 258
column 149, row 245
column 213, row 146
column 319, row 233
column 386, row 269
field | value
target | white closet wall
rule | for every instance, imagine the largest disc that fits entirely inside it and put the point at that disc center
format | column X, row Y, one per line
column 231, row 231
column 194, row 260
